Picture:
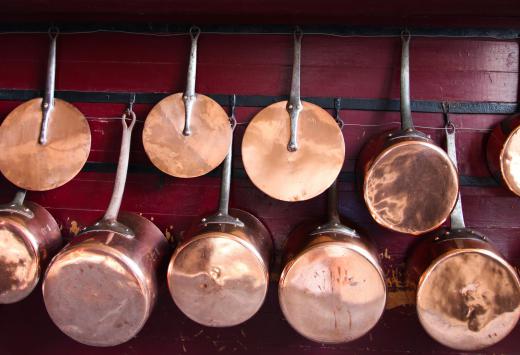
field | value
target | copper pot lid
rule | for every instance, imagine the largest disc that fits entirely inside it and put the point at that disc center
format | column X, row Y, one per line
column 469, row 299
column 293, row 150
column 510, row 161
column 218, row 280
column 332, row 293
column 187, row 134
column 99, row 288
column 19, row 261
column 411, row 187
column 45, row 141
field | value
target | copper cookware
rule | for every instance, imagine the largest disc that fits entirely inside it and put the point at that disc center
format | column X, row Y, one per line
column 187, row 134
column 29, row 237
column 408, row 183
column 332, row 288
column 468, row 295
column 293, row 150
column 219, row 274
column 503, row 153
column 101, row 288
column 45, row 141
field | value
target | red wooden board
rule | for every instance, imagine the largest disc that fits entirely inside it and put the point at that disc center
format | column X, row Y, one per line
column 442, row 69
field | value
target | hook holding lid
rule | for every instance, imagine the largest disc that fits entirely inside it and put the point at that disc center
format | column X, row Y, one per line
column 337, row 110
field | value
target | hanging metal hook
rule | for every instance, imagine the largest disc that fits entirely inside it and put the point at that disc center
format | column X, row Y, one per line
column 232, row 105
column 448, row 124
column 337, row 110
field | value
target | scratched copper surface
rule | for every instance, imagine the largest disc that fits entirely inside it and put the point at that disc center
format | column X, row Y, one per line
column 510, row 161
column 469, row 299
column 186, row 156
column 299, row 175
column 411, row 187
column 32, row 166
column 331, row 293
column 218, row 279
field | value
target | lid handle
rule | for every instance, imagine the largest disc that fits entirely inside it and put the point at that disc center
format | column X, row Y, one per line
column 294, row 105
column 406, row 111
column 48, row 98
column 189, row 94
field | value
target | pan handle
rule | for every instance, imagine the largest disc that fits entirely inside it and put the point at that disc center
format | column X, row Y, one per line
column 406, row 111
column 109, row 221
column 456, row 217
column 294, row 105
column 16, row 206
column 222, row 216
column 189, row 94
column 48, row 98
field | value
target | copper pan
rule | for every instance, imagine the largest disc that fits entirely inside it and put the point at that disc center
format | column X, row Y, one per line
column 503, row 153
column 45, row 141
column 293, row 150
column 29, row 237
column 101, row 288
column 408, row 183
column 219, row 274
column 332, row 288
column 187, row 134
column 468, row 295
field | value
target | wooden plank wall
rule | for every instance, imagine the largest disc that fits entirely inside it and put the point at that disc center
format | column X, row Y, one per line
column 442, row 69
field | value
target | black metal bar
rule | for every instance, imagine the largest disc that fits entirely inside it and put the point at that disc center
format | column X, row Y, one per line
column 262, row 101
column 362, row 31
column 240, row 173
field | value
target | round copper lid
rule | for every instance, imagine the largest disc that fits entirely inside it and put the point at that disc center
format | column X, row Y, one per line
column 411, row 187
column 293, row 175
column 96, row 295
column 469, row 299
column 510, row 161
column 40, row 167
column 187, row 156
column 19, row 262
column 218, row 280
column 332, row 292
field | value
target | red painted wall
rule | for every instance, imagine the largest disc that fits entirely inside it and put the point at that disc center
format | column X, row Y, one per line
column 444, row 69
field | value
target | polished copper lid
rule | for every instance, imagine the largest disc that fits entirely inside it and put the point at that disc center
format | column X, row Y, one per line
column 40, row 167
column 510, row 161
column 293, row 175
column 332, row 292
column 411, row 187
column 19, row 262
column 218, row 279
column 96, row 295
column 191, row 155
column 469, row 299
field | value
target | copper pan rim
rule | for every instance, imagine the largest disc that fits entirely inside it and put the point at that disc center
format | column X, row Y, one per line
column 510, row 186
column 382, row 155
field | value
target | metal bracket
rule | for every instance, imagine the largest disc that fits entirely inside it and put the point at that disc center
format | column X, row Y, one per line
column 16, row 206
column 109, row 226
column 220, row 218
column 334, row 227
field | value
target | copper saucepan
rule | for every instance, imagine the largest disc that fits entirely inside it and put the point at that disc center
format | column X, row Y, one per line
column 187, row 134
column 332, row 288
column 468, row 295
column 503, row 153
column 408, row 183
column 45, row 141
column 219, row 274
column 293, row 150
column 101, row 288
column 29, row 237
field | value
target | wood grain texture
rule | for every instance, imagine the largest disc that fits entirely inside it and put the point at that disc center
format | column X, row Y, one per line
column 442, row 69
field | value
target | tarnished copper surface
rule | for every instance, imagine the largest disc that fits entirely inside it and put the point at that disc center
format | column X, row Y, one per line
column 32, row 166
column 219, row 275
column 332, row 288
column 299, row 175
column 186, row 156
column 25, row 247
column 101, row 288
column 510, row 161
column 410, row 185
column 469, row 299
